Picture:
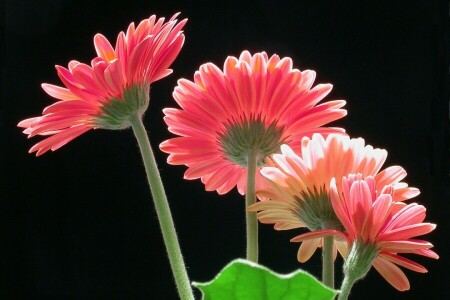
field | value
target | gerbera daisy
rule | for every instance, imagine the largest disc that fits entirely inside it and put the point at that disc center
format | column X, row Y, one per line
column 231, row 120
column 377, row 230
column 299, row 190
column 113, row 93
column 115, row 86
column 251, row 107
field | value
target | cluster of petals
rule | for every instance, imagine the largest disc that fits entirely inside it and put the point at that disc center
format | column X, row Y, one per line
column 292, row 176
column 141, row 56
column 251, row 86
column 376, row 220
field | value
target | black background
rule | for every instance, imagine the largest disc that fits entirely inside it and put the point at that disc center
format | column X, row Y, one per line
column 79, row 222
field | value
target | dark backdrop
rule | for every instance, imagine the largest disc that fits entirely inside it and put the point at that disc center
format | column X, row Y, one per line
column 79, row 223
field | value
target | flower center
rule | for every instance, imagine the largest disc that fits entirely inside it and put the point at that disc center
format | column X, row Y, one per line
column 240, row 137
column 116, row 112
column 316, row 211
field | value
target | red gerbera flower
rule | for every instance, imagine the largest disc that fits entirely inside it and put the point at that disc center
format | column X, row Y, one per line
column 252, row 107
column 116, row 84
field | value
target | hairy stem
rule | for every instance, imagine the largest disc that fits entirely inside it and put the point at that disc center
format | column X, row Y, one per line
column 346, row 287
column 162, row 210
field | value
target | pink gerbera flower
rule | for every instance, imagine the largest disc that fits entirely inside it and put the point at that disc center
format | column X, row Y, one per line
column 299, row 190
column 377, row 229
column 247, row 110
column 114, row 86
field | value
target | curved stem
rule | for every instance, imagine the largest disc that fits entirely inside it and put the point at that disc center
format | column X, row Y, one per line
column 162, row 210
column 328, row 262
column 250, row 216
column 346, row 287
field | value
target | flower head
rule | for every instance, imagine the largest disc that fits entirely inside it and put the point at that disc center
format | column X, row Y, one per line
column 255, row 104
column 299, row 190
column 114, row 86
column 377, row 230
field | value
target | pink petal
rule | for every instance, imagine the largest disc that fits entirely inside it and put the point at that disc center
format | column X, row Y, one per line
column 389, row 176
column 404, row 262
column 405, row 193
column 391, row 273
column 58, row 92
column 407, row 232
column 307, row 249
column 405, row 246
column 104, row 48
column 317, row 234
column 58, row 140
column 380, row 213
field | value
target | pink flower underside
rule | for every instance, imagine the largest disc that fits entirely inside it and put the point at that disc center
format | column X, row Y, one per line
column 141, row 56
column 387, row 224
column 249, row 87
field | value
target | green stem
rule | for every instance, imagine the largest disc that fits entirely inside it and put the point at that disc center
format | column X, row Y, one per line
column 250, row 217
column 328, row 262
column 346, row 287
column 357, row 265
column 162, row 210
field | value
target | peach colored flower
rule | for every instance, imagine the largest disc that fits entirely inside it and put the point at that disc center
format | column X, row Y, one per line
column 377, row 230
column 116, row 84
column 300, row 184
column 256, row 104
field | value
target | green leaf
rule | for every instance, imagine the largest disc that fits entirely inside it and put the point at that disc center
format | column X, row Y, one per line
column 242, row 279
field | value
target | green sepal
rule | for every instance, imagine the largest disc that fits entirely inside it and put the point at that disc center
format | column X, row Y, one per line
column 116, row 113
column 241, row 136
column 360, row 260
